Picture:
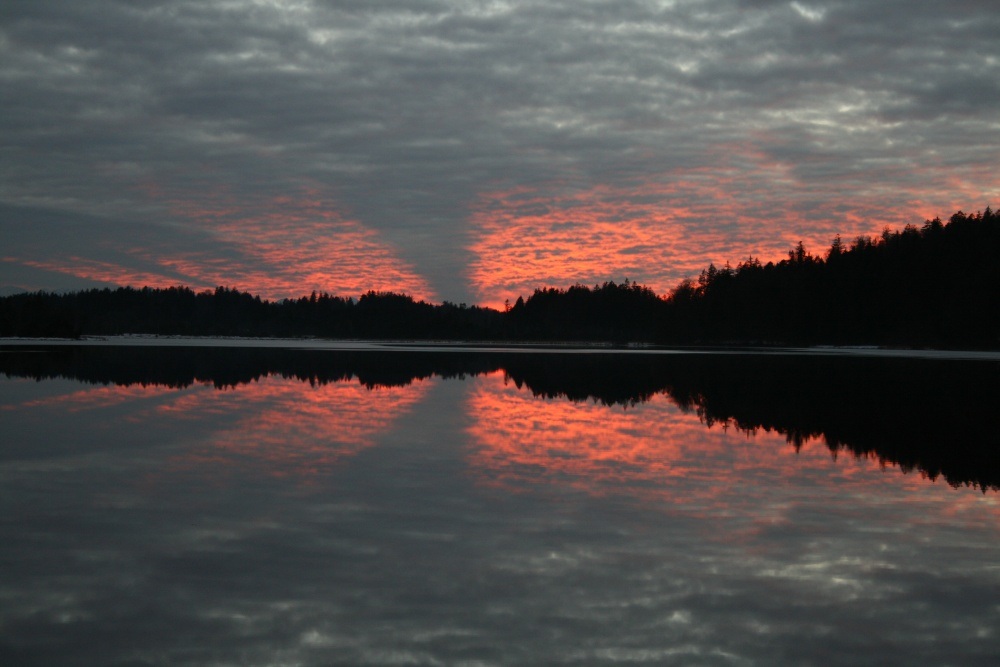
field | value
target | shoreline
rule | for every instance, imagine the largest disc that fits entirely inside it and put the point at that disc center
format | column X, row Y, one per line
column 541, row 347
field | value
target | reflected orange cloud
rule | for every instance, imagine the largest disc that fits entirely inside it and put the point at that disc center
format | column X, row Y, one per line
column 522, row 439
column 283, row 427
column 93, row 398
column 288, row 428
column 653, row 451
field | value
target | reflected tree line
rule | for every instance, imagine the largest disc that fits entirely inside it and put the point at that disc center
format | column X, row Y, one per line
column 937, row 285
column 182, row 367
column 930, row 416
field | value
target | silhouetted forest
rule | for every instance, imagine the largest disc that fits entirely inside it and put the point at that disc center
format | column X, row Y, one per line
column 230, row 312
column 933, row 286
column 937, row 285
column 925, row 415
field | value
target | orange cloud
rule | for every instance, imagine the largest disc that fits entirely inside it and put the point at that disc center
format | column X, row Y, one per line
column 525, row 240
column 105, row 272
column 282, row 248
column 662, row 228
column 656, row 233
column 302, row 245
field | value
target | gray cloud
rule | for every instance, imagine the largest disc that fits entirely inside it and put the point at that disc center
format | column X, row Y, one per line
column 401, row 115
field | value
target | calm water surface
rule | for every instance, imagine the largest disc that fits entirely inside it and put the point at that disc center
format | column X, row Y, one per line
column 380, row 507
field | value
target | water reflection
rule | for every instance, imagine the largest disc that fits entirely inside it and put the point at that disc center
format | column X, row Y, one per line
column 275, row 424
column 285, row 428
column 546, row 509
column 924, row 415
column 659, row 454
column 927, row 415
column 520, row 439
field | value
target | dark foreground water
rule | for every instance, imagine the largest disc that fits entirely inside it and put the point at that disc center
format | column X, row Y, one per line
column 288, row 507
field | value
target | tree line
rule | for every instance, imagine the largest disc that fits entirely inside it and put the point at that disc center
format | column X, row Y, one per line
column 936, row 285
column 230, row 312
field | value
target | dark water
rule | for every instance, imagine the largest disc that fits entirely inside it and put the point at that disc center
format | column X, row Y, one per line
column 289, row 507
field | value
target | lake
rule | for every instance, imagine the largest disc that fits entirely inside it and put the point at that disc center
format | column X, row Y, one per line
column 295, row 503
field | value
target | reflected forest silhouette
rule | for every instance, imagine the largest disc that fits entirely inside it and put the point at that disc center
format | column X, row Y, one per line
column 933, row 286
column 925, row 415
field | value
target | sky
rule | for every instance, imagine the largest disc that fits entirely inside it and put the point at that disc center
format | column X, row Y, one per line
column 474, row 151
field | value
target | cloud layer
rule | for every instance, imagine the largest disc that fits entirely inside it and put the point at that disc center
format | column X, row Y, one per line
column 276, row 145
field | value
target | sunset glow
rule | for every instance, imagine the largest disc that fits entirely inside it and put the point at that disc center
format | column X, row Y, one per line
column 284, row 148
column 284, row 248
column 659, row 232
column 298, row 246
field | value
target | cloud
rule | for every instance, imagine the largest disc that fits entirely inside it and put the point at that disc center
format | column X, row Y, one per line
column 289, row 248
column 404, row 116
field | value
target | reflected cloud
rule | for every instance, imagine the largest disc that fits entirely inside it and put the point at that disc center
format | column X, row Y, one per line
column 886, row 409
column 92, row 398
column 581, row 508
column 521, row 439
column 269, row 424
column 287, row 428
column 654, row 450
